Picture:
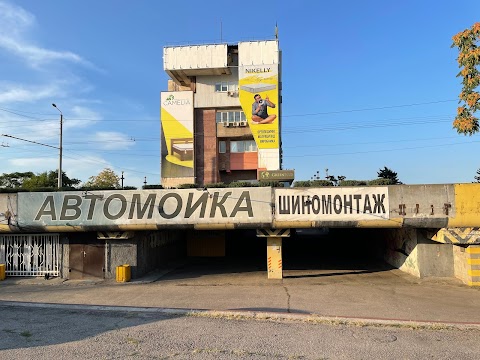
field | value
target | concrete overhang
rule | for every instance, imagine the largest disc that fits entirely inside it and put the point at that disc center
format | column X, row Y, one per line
column 184, row 76
column 182, row 63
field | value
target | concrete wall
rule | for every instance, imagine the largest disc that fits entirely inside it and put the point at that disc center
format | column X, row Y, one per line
column 401, row 250
column 409, row 250
column 207, row 97
column 64, row 255
column 8, row 204
column 145, row 252
column 120, row 252
column 460, row 263
column 159, row 249
column 435, row 259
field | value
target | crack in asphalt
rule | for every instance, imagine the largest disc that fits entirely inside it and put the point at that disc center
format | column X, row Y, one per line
column 288, row 299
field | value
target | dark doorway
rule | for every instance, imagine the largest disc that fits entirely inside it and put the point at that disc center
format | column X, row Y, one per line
column 87, row 260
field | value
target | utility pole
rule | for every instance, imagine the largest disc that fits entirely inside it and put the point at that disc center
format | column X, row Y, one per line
column 60, row 147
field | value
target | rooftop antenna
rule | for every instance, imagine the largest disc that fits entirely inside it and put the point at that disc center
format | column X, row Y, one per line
column 221, row 35
column 276, row 31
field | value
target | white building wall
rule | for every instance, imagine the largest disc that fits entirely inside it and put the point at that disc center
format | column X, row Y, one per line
column 195, row 57
column 205, row 95
column 258, row 52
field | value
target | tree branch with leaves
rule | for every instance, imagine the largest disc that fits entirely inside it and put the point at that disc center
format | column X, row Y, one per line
column 468, row 61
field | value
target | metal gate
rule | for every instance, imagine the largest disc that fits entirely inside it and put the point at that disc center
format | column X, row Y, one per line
column 30, row 255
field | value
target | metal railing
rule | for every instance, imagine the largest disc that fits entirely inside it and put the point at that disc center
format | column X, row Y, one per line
column 30, row 255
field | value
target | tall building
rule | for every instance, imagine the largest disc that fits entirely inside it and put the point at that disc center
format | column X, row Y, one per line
column 221, row 115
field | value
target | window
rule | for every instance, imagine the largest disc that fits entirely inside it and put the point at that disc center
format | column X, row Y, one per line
column 230, row 117
column 225, row 86
column 243, row 146
column 222, row 147
column 250, row 146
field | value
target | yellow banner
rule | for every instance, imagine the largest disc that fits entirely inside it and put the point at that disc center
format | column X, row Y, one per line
column 258, row 93
column 177, row 133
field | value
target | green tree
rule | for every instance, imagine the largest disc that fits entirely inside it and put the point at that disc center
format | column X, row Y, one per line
column 48, row 179
column 388, row 174
column 105, row 179
column 468, row 61
column 477, row 177
column 14, row 180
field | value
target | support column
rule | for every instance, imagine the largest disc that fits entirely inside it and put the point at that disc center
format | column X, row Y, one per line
column 274, row 250
column 274, row 258
column 473, row 265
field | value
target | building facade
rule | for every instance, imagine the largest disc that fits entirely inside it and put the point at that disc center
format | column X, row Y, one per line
column 211, row 132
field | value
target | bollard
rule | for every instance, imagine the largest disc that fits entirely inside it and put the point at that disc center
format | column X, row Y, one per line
column 128, row 272
column 2, row 272
column 123, row 273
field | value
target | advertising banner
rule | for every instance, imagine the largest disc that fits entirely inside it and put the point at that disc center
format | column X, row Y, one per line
column 145, row 207
column 177, row 134
column 332, row 204
column 258, row 93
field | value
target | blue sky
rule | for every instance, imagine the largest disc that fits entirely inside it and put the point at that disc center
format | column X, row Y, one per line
column 365, row 84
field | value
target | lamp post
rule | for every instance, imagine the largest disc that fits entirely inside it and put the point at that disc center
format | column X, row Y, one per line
column 60, row 147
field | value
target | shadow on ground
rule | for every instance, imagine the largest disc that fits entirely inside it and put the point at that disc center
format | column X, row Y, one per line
column 27, row 327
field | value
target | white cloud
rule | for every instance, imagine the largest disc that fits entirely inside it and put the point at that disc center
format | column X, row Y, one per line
column 35, row 164
column 14, row 18
column 111, row 140
column 15, row 23
column 11, row 93
column 81, row 116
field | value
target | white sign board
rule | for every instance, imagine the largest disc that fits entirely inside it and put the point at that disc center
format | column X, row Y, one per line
column 144, row 207
column 332, row 204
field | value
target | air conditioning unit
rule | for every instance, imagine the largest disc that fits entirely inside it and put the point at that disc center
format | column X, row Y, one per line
column 225, row 123
column 243, row 123
column 232, row 93
column 236, row 123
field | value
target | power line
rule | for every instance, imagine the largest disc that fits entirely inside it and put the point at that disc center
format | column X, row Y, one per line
column 30, row 141
column 18, row 112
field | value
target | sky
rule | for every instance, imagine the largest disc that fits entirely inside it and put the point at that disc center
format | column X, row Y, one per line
column 365, row 84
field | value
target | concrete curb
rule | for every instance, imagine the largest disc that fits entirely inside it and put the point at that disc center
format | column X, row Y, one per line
column 256, row 315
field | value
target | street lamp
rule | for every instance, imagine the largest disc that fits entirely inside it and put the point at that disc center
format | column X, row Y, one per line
column 60, row 155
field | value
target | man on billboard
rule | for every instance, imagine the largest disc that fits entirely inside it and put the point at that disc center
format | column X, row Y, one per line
column 259, row 110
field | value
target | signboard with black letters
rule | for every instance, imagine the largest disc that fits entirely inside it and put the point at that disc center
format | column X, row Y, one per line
column 332, row 204
column 150, row 207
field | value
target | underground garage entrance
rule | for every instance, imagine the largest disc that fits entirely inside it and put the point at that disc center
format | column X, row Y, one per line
column 306, row 253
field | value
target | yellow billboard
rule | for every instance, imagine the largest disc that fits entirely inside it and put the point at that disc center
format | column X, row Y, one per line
column 258, row 93
column 177, row 133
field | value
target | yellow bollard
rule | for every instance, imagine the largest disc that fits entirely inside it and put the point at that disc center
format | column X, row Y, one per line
column 123, row 273
column 120, row 273
column 274, row 258
column 2, row 272
column 128, row 272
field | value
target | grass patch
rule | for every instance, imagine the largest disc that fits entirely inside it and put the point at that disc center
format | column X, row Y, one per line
column 133, row 341
column 26, row 334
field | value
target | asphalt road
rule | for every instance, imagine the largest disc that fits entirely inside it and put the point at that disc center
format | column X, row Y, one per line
column 47, row 333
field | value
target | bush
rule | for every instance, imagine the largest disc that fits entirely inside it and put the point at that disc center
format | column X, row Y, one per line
column 216, row 185
column 274, row 184
column 188, row 186
column 302, row 183
column 380, row 181
column 129, row 188
column 319, row 183
column 312, row 183
column 158, row 186
column 238, row 184
column 352, row 183
column 96, row 188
